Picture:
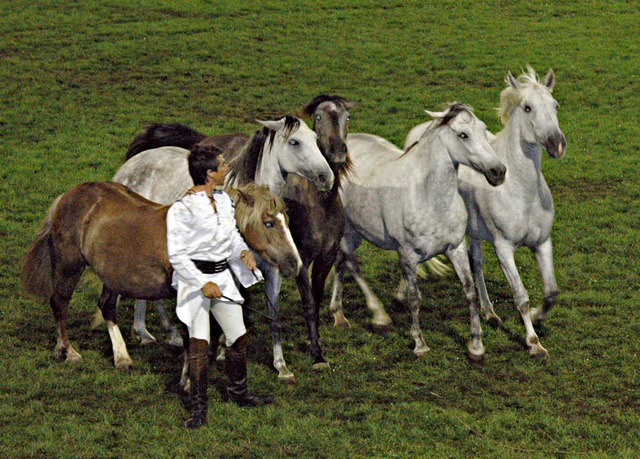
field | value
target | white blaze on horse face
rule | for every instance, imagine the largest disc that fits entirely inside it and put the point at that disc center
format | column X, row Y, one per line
column 289, row 238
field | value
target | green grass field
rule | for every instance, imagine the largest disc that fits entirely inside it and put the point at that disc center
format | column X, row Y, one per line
column 79, row 80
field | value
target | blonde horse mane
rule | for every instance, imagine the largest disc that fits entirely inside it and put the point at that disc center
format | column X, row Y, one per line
column 252, row 201
column 510, row 97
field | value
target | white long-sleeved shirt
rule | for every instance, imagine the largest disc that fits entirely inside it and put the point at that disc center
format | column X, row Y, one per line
column 196, row 232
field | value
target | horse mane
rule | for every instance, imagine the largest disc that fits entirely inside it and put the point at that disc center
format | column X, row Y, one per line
column 160, row 135
column 510, row 98
column 252, row 201
column 311, row 106
column 243, row 168
column 453, row 110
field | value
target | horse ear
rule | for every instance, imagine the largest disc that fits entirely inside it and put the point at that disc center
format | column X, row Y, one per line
column 435, row 115
column 350, row 104
column 550, row 80
column 273, row 125
column 515, row 84
column 246, row 197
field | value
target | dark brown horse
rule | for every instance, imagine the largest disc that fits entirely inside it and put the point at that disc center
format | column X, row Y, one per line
column 318, row 220
column 122, row 237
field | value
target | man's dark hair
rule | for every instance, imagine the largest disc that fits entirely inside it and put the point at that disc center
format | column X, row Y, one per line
column 201, row 159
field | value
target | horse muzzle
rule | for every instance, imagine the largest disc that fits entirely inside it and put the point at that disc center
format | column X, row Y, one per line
column 556, row 145
column 496, row 175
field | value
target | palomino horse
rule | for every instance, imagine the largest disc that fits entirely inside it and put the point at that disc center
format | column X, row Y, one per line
column 409, row 202
column 123, row 238
column 161, row 175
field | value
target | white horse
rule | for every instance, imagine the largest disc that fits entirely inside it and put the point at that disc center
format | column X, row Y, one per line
column 286, row 146
column 409, row 202
column 520, row 212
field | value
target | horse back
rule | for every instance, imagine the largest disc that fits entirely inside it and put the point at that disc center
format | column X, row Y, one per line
column 122, row 236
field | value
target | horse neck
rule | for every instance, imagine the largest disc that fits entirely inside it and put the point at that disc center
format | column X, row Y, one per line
column 437, row 176
column 523, row 159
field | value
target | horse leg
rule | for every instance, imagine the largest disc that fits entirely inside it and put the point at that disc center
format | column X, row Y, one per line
column 139, row 323
column 335, row 306
column 408, row 266
column 320, row 271
column 176, row 339
column 108, row 301
column 59, row 302
column 460, row 261
column 311, row 317
column 544, row 257
column 272, row 284
column 505, row 252
column 380, row 317
column 475, row 252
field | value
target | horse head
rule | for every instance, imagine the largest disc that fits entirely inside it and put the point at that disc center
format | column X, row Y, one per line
column 295, row 147
column 261, row 218
column 531, row 102
column 331, row 123
column 466, row 139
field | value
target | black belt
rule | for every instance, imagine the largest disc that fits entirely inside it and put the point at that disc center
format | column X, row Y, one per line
column 211, row 267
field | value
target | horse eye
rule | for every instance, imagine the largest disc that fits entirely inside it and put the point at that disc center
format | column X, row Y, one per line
column 318, row 117
column 527, row 108
column 463, row 136
column 269, row 224
column 293, row 142
column 348, row 118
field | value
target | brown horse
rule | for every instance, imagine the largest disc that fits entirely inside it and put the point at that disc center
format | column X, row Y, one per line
column 122, row 237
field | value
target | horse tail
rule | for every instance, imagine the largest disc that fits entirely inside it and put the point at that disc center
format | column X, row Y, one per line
column 164, row 135
column 37, row 267
column 436, row 266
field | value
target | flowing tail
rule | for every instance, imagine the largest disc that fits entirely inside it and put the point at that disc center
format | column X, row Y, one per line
column 164, row 135
column 435, row 265
column 37, row 268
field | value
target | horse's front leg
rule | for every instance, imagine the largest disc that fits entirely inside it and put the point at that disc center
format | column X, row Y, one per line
column 272, row 284
column 108, row 301
column 311, row 317
column 544, row 257
column 460, row 261
column 408, row 265
column 475, row 251
column 505, row 252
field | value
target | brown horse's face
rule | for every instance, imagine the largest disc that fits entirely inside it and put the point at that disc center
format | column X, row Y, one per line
column 271, row 240
column 331, row 123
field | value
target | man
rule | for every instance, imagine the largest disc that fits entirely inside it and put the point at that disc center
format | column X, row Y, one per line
column 204, row 245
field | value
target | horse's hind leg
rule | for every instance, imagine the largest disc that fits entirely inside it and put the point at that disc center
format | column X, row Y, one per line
column 59, row 302
column 139, row 323
column 544, row 257
column 475, row 254
column 108, row 301
column 176, row 339
column 460, row 261
column 335, row 306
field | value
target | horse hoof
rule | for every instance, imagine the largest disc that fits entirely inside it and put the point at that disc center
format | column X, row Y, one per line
column 493, row 320
column 176, row 342
column 382, row 321
column 321, row 366
column 538, row 352
column 421, row 352
column 145, row 338
column 70, row 356
column 344, row 323
column 536, row 315
column 287, row 379
column 475, row 355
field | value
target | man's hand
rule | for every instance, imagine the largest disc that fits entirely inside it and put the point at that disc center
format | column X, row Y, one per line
column 248, row 260
column 211, row 290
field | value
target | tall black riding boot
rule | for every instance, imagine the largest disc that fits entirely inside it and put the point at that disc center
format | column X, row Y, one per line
column 198, row 366
column 236, row 363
